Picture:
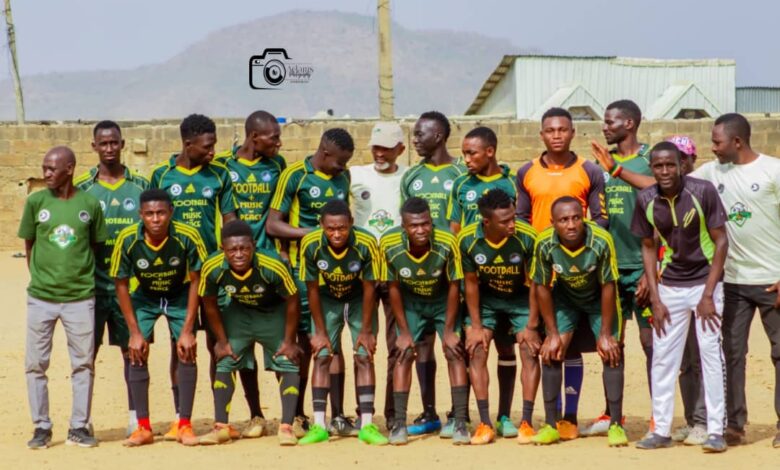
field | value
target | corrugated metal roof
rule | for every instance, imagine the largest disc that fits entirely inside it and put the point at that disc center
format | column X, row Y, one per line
column 758, row 99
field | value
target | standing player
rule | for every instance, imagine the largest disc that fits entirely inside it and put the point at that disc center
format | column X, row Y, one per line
column 62, row 228
column 689, row 219
column 556, row 173
column 165, row 256
column 422, row 267
column 340, row 265
column 376, row 192
column 432, row 180
column 263, row 307
column 303, row 189
column 749, row 186
column 496, row 256
column 575, row 272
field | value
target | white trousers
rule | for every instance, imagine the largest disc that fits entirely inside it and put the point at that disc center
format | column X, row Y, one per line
column 668, row 352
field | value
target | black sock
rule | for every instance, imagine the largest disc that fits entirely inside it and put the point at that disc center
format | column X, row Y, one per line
column 365, row 398
column 176, row 402
column 552, row 377
column 460, row 401
column 251, row 391
column 188, row 378
column 139, row 387
column 224, row 386
column 337, row 383
column 648, row 365
column 126, row 362
column 288, row 389
column 613, row 383
column 507, row 373
column 319, row 399
column 426, row 376
column 528, row 411
column 400, row 402
column 484, row 411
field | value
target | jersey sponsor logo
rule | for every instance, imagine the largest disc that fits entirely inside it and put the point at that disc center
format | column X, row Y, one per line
column 175, row 189
column 365, row 195
column 471, row 195
column 265, row 176
column 314, row 191
column 514, row 258
column 739, row 214
column 234, row 176
column 142, row 263
column 63, row 236
column 103, row 206
column 322, row 264
column 207, row 192
column 417, row 185
column 128, row 204
column 405, row 272
column 354, row 266
column 480, row 258
column 557, row 268
column 380, row 220
column 84, row 216
column 157, row 262
column 230, row 289
column 754, row 187
column 688, row 218
column 421, row 272
column 258, row 289
column 44, row 215
column 448, row 185
column 436, row 273
column 174, row 261
column 498, row 259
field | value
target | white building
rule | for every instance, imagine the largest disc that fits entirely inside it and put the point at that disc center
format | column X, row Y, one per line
column 525, row 86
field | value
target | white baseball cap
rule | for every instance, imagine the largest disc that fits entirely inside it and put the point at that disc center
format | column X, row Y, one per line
column 386, row 134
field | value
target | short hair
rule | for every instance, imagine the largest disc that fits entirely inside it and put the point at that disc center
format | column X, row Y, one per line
column 106, row 124
column 237, row 228
column 494, row 199
column 440, row 118
column 154, row 194
column 335, row 207
column 735, row 125
column 668, row 147
column 629, row 109
column 340, row 138
column 415, row 205
column 556, row 112
column 195, row 125
column 256, row 118
column 485, row 134
column 564, row 200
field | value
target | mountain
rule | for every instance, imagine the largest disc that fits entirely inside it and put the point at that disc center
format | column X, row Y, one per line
column 440, row 70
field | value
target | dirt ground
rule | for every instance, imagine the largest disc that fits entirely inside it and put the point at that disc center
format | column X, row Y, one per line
column 110, row 416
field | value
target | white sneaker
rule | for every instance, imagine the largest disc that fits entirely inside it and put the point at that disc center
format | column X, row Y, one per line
column 696, row 437
column 598, row 427
column 681, row 433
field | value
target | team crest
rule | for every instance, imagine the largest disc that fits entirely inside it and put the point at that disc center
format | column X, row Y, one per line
column 103, row 206
column 176, row 190
column 739, row 214
column 380, row 220
column 234, row 176
column 44, row 215
column 448, row 185
column 265, row 176
column 471, row 195
column 322, row 264
column 417, row 185
column 405, row 272
column 314, row 191
column 128, row 204
column 354, row 266
column 340, row 194
column 258, row 289
column 514, row 258
column 174, row 261
column 63, row 236
column 84, row 216
column 230, row 289
column 606, row 177
column 207, row 192
column 142, row 263
column 557, row 268
column 480, row 258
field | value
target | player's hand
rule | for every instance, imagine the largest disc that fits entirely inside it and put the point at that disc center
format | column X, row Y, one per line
column 222, row 350
column 642, row 295
column 776, row 289
column 660, row 318
column 138, row 349
column 285, row 257
column 186, row 347
column 290, row 350
column 551, row 349
column 477, row 336
column 368, row 341
column 609, row 349
column 453, row 344
column 320, row 341
column 601, row 154
column 533, row 340
column 705, row 310
column 405, row 344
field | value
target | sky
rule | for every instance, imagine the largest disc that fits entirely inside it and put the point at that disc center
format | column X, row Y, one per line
column 70, row 35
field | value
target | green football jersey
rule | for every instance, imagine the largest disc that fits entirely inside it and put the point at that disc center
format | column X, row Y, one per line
column 426, row 278
column 434, row 184
column 162, row 271
column 467, row 189
column 621, row 201
column 62, row 262
column 341, row 275
column 200, row 195
column 501, row 269
column 577, row 276
column 254, row 182
column 266, row 285
column 119, row 202
column 301, row 193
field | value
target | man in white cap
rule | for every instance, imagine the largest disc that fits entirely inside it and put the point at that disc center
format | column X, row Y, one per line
column 376, row 199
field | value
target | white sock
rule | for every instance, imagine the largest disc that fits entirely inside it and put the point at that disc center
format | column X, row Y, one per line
column 132, row 417
column 319, row 418
column 366, row 419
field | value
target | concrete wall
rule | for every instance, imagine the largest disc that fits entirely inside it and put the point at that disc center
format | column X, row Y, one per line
column 148, row 143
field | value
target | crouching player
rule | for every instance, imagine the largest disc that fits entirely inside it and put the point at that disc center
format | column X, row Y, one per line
column 262, row 307
column 580, row 257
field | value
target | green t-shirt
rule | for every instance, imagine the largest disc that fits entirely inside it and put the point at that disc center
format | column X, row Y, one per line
column 341, row 275
column 254, row 182
column 162, row 271
column 119, row 202
column 199, row 195
column 579, row 275
column 467, row 189
column 621, row 201
column 62, row 262
column 426, row 278
column 501, row 269
column 434, row 184
column 266, row 285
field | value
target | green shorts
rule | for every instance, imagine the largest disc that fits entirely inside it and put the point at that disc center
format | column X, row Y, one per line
column 304, row 327
column 568, row 316
column 424, row 318
column 627, row 282
column 107, row 312
column 246, row 326
column 338, row 313
column 504, row 323
column 148, row 310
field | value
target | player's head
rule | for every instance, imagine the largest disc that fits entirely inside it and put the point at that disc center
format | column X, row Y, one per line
column 336, row 222
column 416, row 221
column 622, row 118
column 238, row 244
column 497, row 209
column 567, row 218
column 730, row 135
column 264, row 133
column 58, row 166
column 107, row 141
column 687, row 149
column 431, row 132
column 479, row 149
column 198, row 137
column 387, row 144
column 156, row 209
column 557, row 130
column 665, row 160
column 336, row 149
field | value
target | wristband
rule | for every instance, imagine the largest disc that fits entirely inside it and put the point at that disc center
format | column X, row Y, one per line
column 616, row 171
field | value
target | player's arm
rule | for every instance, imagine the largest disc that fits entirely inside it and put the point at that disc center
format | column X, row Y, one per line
column 454, row 210
column 230, row 216
column 138, row 347
column 531, row 334
column 404, row 342
column 706, row 307
column 28, row 246
column 650, row 260
column 602, row 155
column 186, row 346
column 596, row 196
column 222, row 347
column 289, row 348
column 523, row 210
column 607, row 345
column 475, row 335
column 319, row 340
column 277, row 227
column 366, row 336
column 451, row 339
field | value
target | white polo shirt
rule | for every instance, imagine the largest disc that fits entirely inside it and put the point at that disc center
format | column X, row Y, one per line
column 376, row 198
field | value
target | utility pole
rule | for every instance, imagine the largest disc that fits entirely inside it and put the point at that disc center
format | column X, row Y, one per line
column 386, row 112
column 9, row 26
